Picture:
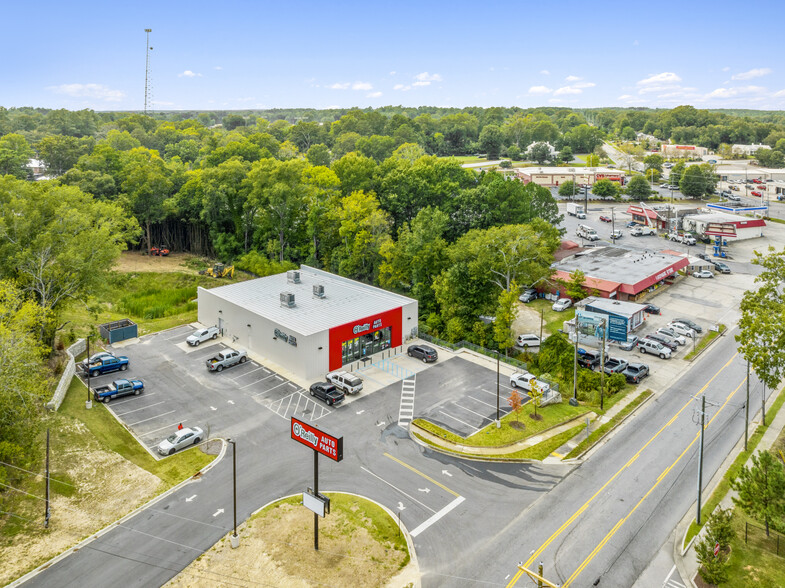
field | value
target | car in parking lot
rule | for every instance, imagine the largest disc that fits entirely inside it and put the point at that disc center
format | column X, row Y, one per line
column 704, row 256
column 606, row 219
column 202, row 335
column 631, row 224
column 95, row 358
column 423, row 352
column 681, row 329
column 734, row 197
column 689, row 323
column 671, row 334
column 635, row 372
column 182, row 438
column 527, row 340
column 561, row 304
column 526, row 380
column 528, row 295
column 755, row 193
column 652, row 309
column 589, row 359
column 615, row 365
column 346, row 382
column 617, row 234
column 703, row 274
column 663, row 340
column 327, row 392
column 630, row 343
column 654, row 347
column 721, row 267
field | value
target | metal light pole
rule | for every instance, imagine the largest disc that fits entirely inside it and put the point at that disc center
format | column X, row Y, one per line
column 498, row 421
column 602, row 366
column 574, row 399
column 747, row 407
column 700, row 458
column 88, row 403
column 235, row 540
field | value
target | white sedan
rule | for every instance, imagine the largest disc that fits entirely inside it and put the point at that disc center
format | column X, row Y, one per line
column 561, row 304
column 703, row 274
column 182, row 438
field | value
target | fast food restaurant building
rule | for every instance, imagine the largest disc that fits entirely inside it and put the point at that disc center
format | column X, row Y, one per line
column 309, row 321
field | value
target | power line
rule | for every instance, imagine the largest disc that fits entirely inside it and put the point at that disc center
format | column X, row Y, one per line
column 35, row 474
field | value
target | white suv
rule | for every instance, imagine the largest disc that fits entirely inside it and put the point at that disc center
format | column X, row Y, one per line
column 525, row 380
column 681, row 329
column 649, row 346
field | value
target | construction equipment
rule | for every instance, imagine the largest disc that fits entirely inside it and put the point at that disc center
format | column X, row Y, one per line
column 162, row 251
column 219, row 270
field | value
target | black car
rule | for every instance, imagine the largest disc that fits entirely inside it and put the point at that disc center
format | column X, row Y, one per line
column 652, row 309
column 589, row 359
column 635, row 372
column 327, row 392
column 691, row 324
column 721, row 267
column 662, row 339
column 427, row 354
column 704, row 256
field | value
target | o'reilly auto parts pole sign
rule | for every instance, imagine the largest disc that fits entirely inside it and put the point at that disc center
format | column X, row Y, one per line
column 324, row 443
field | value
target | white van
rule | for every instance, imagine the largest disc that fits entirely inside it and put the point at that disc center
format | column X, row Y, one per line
column 347, row 382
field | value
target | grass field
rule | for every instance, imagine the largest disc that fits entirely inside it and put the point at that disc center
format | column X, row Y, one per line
column 751, row 564
column 552, row 320
column 705, row 340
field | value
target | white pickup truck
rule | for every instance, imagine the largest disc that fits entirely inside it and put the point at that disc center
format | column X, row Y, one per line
column 686, row 239
column 226, row 358
column 202, row 335
column 642, row 231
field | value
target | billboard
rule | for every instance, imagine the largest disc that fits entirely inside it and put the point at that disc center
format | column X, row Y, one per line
column 319, row 441
column 592, row 324
column 617, row 328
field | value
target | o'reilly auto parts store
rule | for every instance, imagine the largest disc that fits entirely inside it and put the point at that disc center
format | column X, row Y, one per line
column 309, row 321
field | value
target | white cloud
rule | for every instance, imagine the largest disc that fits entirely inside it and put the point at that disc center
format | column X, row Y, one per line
column 373, row 95
column 189, row 74
column 567, row 90
column 779, row 94
column 339, row 86
column 753, row 73
column 217, row 67
column 402, row 87
column 624, row 97
column 726, row 68
column 545, row 72
column 556, row 100
column 660, row 79
column 98, row 91
column 392, row 73
column 572, row 79
column 426, row 77
column 733, row 92
column 540, row 90
column 362, row 86
column 420, row 84
column 584, row 85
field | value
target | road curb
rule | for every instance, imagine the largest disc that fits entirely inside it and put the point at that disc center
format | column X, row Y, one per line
column 30, row 575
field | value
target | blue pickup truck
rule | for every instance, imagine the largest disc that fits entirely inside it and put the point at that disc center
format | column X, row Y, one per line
column 116, row 389
column 104, row 365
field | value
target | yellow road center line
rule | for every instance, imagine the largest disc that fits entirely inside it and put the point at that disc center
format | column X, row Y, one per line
column 419, row 473
column 586, row 505
column 618, row 525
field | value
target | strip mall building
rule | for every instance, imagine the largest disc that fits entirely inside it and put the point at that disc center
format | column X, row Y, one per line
column 555, row 176
column 309, row 321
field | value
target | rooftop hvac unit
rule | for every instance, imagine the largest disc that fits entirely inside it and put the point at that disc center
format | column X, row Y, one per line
column 287, row 299
column 293, row 277
column 318, row 291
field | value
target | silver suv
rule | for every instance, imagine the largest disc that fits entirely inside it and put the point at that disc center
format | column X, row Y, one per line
column 649, row 346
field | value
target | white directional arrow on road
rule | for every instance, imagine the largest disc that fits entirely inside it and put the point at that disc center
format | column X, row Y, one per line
column 360, row 411
column 426, row 490
column 189, row 499
column 213, row 408
column 230, row 401
column 381, row 424
column 401, row 506
column 446, row 473
column 217, row 512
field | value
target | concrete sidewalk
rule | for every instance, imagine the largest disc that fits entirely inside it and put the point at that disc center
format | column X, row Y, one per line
column 686, row 561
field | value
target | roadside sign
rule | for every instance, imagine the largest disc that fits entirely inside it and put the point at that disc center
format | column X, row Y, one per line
column 317, row 503
column 319, row 441
column 716, row 549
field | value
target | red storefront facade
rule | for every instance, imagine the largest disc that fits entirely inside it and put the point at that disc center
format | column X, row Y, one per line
column 363, row 337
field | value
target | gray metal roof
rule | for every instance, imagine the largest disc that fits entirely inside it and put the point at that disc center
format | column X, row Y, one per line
column 344, row 300
column 617, row 264
column 620, row 307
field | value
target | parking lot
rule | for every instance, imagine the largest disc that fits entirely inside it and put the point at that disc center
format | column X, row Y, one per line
column 179, row 389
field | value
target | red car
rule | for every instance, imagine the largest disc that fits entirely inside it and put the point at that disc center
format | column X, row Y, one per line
column 758, row 194
column 756, row 181
column 606, row 219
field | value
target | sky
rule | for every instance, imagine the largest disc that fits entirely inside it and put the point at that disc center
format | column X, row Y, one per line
column 233, row 55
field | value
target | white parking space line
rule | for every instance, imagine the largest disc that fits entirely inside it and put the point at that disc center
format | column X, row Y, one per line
column 300, row 397
column 178, row 336
column 138, row 409
column 119, row 402
column 483, row 417
column 246, row 374
column 459, row 420
column 150, row 419
column 437, row 516
column 257, row 381
column 166, row 427
column 409, row 496
column 271, row 389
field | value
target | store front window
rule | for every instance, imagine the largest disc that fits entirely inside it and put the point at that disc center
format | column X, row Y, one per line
column 366, row 345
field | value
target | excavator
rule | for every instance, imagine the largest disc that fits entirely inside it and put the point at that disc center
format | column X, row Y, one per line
column 219, row 270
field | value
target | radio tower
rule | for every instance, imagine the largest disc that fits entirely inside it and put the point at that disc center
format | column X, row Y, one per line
column 148, row 94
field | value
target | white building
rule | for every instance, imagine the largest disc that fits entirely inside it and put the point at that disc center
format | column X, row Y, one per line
column 727, row 225
column 309, row 321
column 555, row 176
column 688, row 151
column 747, row 149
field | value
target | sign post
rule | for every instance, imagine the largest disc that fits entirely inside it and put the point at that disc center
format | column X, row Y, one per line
column 716, row 549
column 329, row 446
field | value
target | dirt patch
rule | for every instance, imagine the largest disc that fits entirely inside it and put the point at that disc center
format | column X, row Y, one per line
column 527, row 321
column 276, row 549
column 136, row 261
column 108, row 487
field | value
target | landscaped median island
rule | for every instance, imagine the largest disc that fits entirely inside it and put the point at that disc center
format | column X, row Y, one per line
column 360, row 544
column 510, row 441
column 99, row 474
column 704, row 342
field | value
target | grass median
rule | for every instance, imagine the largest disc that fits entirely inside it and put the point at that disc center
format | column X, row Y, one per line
column 708, row 338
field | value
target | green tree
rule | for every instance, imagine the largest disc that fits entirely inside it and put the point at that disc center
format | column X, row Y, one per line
column 638, row 188
column 232, row 121
column 676, row 172
column 539, row 152
column 698, row 181
column 506, row 313
column 654, row 161
column 491, row 141
column 569, row 189
column 356, row 173
column 146, row 186
column 761, row 489
column 605, row 189
column 60, row 153
column 514, row 152
column 566, row 154
column 627, row 133
column 713, row 570
column 592, row 160
column 770, row 158
column 652, row 175
column 576, row 287
column 319, row 154
column 15, row 152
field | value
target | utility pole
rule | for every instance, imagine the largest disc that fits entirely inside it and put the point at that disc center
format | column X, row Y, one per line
column 763, row 404
column 602, row 365
column 235, row 540
column 88, row 403
column 498, row 421
column 47, row 513
column 541, row 326
column 700, row 457
column 574, row 399
column 747, row 407
column 147, row 93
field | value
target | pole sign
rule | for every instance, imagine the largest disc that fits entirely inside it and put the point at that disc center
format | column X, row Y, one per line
column 716, row 549
column 319, row 441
